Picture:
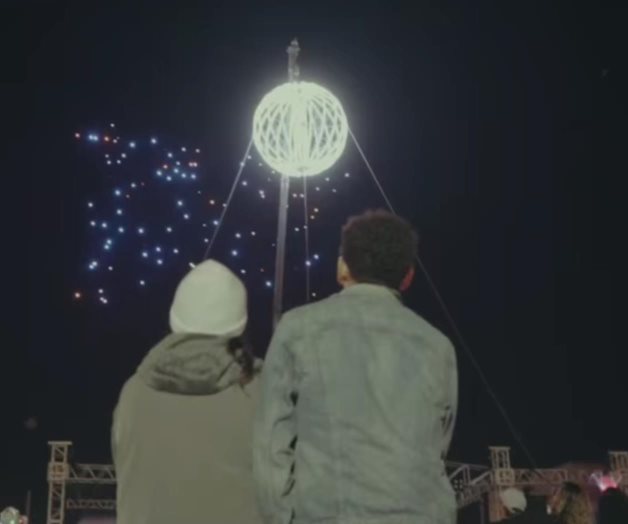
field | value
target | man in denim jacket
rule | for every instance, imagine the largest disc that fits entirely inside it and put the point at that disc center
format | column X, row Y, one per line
column 359, row 396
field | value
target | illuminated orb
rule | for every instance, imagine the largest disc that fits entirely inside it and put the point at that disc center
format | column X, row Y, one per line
column 300, row 129
column 10, row 516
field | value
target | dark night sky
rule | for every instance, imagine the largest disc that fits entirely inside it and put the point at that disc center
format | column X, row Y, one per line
column 497, row 130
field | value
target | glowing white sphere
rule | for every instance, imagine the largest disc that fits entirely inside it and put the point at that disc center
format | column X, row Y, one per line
column 300, row 129
column 10, row 516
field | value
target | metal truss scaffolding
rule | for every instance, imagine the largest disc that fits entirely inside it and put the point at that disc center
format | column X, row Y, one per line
column 472, row 483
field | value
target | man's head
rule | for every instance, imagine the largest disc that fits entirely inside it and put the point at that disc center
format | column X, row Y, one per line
column 377, row 248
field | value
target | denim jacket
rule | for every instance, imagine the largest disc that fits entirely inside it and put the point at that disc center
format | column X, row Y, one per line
column 357, row 408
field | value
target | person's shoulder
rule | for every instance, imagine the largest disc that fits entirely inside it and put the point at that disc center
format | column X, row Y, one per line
column 308, row 311
column 426, row 330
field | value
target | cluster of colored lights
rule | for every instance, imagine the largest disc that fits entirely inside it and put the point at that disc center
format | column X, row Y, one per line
column 135, row 235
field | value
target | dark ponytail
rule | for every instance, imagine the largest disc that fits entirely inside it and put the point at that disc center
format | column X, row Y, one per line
column 242, row 352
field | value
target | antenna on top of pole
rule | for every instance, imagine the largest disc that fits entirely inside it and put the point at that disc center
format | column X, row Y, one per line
column 293, row 55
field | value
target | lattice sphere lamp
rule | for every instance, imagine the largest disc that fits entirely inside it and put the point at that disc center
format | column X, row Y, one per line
column 300, row 129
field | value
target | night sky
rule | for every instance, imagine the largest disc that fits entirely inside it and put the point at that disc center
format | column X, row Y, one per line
column 498, row 131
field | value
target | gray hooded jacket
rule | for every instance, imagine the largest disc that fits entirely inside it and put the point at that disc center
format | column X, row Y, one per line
column 376, row 395
column 181, row 437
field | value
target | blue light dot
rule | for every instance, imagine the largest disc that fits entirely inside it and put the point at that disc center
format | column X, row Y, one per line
column 144, row 254
column 193, row 176
column 142, row 283
column 169, row 178
column 141, row 230
column 133, row 185
column 243, row 271
column 269, row 283
column 132, row 145
column 215, row 222
column 180, row 203
column 245, row 183
column 160, row 172
column 316, row 257
column 238, row 235
column 118, row 162
column 117, row 192
column 169, row 229
column 169, row 155
column 92, row 223
column 234, row 252
column 119, row 212
column 347, row 175
column 153, row 141
column 120, row 229
column 206, row 240
column 186, row 216
column 108, row 162
column 308, row 263
column 160, row 262
column 175, row 251
column 158, row 249
column 183, row 149
column 104, row 225
column 123, row 155
column 176, row 169
column 90, row 204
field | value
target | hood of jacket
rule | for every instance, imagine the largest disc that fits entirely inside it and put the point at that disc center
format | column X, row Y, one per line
column 187, row 364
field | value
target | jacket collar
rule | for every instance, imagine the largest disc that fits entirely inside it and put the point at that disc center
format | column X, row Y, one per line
column 372, row 290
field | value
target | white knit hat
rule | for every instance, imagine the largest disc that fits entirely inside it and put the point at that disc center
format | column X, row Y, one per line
column 513, row 500
column 210, row 300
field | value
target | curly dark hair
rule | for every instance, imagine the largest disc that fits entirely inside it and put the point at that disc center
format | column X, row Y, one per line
column 570, row 505
column 379, row 248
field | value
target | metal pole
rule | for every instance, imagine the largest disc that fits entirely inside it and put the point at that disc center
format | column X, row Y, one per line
column 284, row 194
column 282, row 225
column 482, row 510
column 27, row 508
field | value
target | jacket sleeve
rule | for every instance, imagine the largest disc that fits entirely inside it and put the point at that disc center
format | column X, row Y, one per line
column 275, row 430
column 114, row 437
column 451, row 399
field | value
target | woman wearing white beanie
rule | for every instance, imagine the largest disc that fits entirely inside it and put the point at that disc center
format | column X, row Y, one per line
column 182, row 429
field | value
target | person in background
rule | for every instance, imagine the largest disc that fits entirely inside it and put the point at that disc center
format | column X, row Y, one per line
column 570, row 505
column 612, row 507
column 359, row 396
column 182, row 428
